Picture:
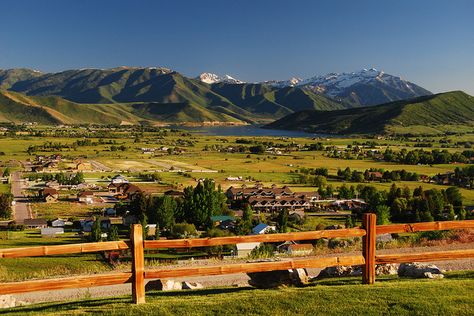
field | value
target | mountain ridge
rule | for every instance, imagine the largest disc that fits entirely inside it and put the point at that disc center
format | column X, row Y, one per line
column 426, row 113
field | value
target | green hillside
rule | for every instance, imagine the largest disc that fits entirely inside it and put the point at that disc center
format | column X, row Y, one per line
column 430, row 114
column 161, row 89
column 18, row 108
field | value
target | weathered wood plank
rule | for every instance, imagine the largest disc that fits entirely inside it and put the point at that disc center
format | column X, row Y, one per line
column 368, row 248
column 420, row 227
column 255, row 267
column 138, row 265
column 62, row 249
column 217, row 241
column 66, row 283
column 425, row 256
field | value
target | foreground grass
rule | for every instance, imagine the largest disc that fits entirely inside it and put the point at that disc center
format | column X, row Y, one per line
column 453, row 295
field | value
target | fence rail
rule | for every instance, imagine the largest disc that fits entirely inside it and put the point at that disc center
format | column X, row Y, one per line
column 137, row 276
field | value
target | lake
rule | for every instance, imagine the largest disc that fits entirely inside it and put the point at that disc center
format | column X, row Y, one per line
column 246, row 130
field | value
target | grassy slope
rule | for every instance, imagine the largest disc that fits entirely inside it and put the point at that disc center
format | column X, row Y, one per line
column 434, row 112
column 246, row 102
column 450, row 296
column 19, row 108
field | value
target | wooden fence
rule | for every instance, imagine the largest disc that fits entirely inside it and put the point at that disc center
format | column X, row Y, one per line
column 137, row 276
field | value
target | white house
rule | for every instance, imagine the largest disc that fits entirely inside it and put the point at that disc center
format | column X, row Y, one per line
column 118, row 179
column 58, row 223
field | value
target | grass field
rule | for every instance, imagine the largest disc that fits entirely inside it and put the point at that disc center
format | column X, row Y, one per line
column 4, row 188
column 453, row 295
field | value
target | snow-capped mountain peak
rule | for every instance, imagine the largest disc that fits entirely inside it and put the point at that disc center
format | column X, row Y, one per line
column 211, row 78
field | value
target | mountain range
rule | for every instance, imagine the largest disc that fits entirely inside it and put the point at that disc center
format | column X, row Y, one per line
column 160, row 94
column 432, row 114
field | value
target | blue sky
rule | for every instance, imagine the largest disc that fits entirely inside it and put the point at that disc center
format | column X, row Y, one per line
column 428, row 42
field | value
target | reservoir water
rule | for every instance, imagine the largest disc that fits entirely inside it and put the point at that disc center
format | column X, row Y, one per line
column 246, row 130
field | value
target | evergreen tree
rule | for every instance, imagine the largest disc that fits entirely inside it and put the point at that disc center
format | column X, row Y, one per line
column 96, row 232
column 113, row 234
column 451, row 214
column 6, row 200
column 282, row 221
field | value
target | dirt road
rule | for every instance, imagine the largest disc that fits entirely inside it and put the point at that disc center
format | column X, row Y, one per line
column 21, row 208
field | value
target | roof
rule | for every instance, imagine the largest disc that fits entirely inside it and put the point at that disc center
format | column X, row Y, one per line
column 221, row 218
column 259, row 191
column 50, row 191
column 85, row 193
column 35, row 222
column 259, row 228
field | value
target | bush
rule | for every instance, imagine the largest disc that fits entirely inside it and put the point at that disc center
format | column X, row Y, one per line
column 263, row 251
column 183, row 230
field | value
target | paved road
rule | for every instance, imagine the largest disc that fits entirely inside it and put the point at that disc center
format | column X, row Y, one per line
column 22, row 210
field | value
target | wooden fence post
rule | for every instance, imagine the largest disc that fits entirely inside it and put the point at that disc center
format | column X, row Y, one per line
column 368, row 248
column 138, row 264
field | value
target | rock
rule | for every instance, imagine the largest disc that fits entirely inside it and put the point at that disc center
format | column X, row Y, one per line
column 273, row 279
column 430, row 275
column 419, row 270
column 163, row 285
column 383, row 238
column 340, row 271
column 337, row 226
column 191, row 285
column 7, row 301
column 386, row 269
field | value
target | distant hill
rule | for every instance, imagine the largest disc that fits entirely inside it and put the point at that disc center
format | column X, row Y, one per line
column 163, row 94
column 429, row 114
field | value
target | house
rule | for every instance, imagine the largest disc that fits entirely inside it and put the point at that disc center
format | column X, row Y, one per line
column 262, row 229
column 110, row 212
column 86, row 197
column 81, row 166
column 58, row 222
column 217, row 220
column 118, row 179
column 244, row 193
column 35, row 223
column 86, row 224
column 245, row 248
column 375, row 175
column 278, row 203
column 234, row 178
column 51, row 231
column 228, row 224
column 128, row 191
column 49, row 195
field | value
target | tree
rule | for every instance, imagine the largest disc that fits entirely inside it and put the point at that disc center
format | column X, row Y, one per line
column 454, row 197
column 451, row 214
column 113, row 234
column 383, row 215
column 282, row 221
column 96, row 232
column 202, row 202
column 183, row 230
column 6, row 200
column 6, row 172
column 258, row 149
column 164, row 212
